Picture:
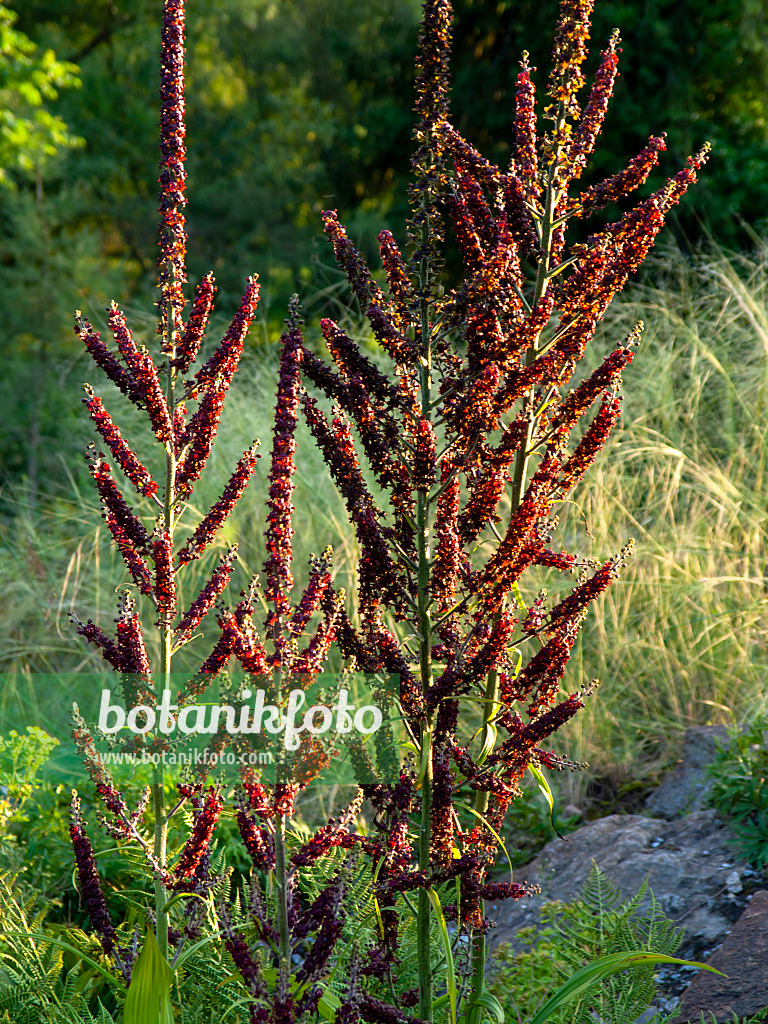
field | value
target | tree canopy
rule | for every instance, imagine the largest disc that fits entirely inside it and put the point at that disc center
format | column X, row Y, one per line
column 296, row 106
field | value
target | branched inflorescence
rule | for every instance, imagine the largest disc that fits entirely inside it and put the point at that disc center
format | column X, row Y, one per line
column 473, row 440
column 289, row 651
column 470, row 437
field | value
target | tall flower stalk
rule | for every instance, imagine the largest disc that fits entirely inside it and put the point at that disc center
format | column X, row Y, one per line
column 474, row 436
column 152, row 560
column 285, row 654
column 471, row 442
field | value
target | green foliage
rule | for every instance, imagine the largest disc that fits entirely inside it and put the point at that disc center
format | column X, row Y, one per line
column 39, row 981
column 34, row 826
column 756, row 1019
column 52, row 981
column 596, row 925
column 149, row 995
column 30, row 78
column 739, row 776
column 529, row 821
column 33, row 815
column 21, row 758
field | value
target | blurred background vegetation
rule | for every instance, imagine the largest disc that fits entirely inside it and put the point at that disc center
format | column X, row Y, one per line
column 295, row 106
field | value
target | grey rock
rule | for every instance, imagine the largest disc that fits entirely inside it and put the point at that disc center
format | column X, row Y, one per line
column 743, row 957
column 625, row 847
column 733, row 883
column 687, row 787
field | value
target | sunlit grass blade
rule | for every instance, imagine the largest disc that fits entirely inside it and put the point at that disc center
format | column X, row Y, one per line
column 603, row 968
column 450, row 973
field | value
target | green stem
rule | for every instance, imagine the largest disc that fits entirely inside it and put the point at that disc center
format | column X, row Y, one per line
column 160, row 844
column 424, row 913
column 281, row 884
column 519, row 476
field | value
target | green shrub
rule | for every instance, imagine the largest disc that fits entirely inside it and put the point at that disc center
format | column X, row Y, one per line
column 740, row 787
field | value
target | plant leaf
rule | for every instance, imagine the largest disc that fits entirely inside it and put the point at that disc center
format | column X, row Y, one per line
column 537, row 773
column 450, row 974
column 492, row 830
column 604, row 968
column 489, row 1002
column 149, row 994
column 42, row 937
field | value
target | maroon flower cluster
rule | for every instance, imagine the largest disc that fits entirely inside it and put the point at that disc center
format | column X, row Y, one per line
column 279, row 517
column 173, row 236
column 121, row 450
column 90, row 886
column 222, row 509
column 207, row 814
column 472, row 439
column 194, row 332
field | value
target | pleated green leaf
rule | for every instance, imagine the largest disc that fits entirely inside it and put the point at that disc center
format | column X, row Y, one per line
column 149, row 994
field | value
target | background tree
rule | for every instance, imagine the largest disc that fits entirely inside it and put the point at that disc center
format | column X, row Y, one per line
column 302, row 105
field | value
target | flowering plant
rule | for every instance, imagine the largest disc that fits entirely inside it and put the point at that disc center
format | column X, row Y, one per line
column 473, row 426
column 288, row 652
column 470, row 441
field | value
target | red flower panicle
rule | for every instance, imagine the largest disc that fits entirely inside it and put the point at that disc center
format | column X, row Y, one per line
column 101, row 355
column 448, row 557
column 310, row 660
column 256, row 839
column 134, row 663
column 279, row 518
column 526, row 156
column 127, row 530
column 424, row 468
column 172, row 199
column 316, row 589
column 224, row 361
column 165, row 578
column 130, row 639
column 105, row 785
column 591, row 121
column 189, row 344
column 337, row 446
column 90, row 885
column 400, row 285
column 121, row 451
column 96, row 636
column 623, row 182
column 569, row 53
column 350, row 260
column 221, row 510
column 206, row 598
column 352, row 362
column 207, row 814
column 214, row 378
